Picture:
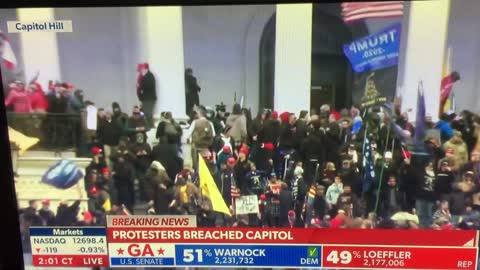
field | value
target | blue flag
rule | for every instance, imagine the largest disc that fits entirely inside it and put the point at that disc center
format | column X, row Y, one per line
column 63, row 175
column 368, row 165
column 377, row 51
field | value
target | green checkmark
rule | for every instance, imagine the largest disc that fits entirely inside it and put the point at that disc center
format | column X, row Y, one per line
column 312, row 252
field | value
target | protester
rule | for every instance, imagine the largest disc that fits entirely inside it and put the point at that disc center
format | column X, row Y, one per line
column 147, row 93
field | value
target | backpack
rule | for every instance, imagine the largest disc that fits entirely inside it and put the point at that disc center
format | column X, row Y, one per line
column 202, row 136
column 170, row 129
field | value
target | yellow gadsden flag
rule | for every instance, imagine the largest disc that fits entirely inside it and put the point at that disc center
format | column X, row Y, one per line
column 209, row 188
column 23, row 142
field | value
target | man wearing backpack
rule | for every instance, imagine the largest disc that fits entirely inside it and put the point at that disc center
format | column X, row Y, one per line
column 201, row 134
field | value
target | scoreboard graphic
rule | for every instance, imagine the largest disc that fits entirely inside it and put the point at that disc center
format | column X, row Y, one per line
column 141, row 242
column 71, row 246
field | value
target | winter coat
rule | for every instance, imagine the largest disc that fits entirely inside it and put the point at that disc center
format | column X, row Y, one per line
column 460, row 151
column 20, row 100
column 238, row 127
column 109, row 133
column 167, row 155
column 38, row 101
column 146, row 89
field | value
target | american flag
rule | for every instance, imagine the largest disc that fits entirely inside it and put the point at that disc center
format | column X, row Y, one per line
column 368, row 163
column 355, row 11
column 8, row 56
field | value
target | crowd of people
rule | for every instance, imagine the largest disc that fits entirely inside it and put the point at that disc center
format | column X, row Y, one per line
column 307, row 171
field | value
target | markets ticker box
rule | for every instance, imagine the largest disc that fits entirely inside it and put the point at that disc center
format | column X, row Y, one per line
column 174, row 241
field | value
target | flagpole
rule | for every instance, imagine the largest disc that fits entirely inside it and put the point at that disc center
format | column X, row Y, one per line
column 381, row 175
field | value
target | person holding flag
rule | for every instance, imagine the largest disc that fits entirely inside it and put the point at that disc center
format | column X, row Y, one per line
column 447, row 97
column 209, row 189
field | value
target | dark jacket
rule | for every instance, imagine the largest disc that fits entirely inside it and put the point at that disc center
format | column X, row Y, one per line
column 444, row 182
column 141, row 161
column 167, row 155
column 147, row 88
column 48, row 216
column 270, row 131
column 286, row 204
column 224, row 179
column 347, row 201
column 390, row 205
column 301, row 133
column 241, row 169
column 109, row 133
column 287, row 137
column 164, row 134
column 133, row 123
column 320, row 206
column 313, row 147
column 425, row 186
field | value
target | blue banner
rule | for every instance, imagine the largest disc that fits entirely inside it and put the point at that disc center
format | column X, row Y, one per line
column 376, row 51
column 248, row 256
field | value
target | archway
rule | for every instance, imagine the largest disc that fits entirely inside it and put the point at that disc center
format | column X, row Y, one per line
column 267, row 65
column 332, row 78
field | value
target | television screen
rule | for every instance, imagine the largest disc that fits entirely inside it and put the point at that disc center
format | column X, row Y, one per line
column 324, row 135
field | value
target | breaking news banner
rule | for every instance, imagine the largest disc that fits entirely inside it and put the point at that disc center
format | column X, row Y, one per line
column 174, row 241
column 142, row 244
column 69, row 246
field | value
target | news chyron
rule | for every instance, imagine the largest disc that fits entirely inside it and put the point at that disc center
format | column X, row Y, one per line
column 176, row 241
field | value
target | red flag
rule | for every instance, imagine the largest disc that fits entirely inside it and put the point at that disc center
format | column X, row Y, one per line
column 447, row 87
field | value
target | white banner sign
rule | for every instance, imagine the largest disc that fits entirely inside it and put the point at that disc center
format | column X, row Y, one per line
column 246, row 205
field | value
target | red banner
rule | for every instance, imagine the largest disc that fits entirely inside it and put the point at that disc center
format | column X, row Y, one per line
column 399, row 257
column 293, row 236
column 70, row 260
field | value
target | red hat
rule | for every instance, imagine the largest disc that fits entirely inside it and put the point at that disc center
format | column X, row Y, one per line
column 291, row 213
column 140, row 67
column 46, row 202
column 96, row 150
column 244, row 150
column 226, row 149
column 87, row 217
column 268, row 146
column 231, row 161
column 274, row 115
column 105, row 170
column 263, row 197
column 93, row 191
column 336, row 115
column 284, row 117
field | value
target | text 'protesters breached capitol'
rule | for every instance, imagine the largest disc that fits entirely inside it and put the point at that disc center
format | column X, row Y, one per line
column 200, row 235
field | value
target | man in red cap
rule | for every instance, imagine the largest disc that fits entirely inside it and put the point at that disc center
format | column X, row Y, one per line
column 147, row 93
column 106, row 184
column 225, row 180
column 98, row 161
column 241, row 169
column 46, row 214
column 268, row 140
